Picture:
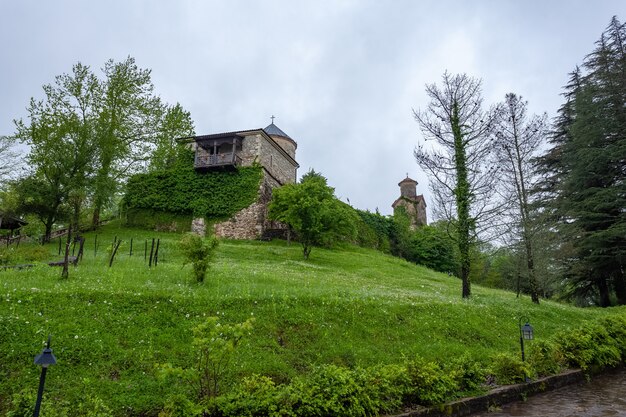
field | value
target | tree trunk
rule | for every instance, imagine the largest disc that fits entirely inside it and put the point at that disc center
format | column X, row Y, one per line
column 532, row 280
column 65, row 272
column 47, row 232
column 603, row 289
column 462, row 201
column 619, row 284
column 95, row 220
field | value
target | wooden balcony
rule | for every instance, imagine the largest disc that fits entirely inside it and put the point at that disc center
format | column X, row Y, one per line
column 220, row 160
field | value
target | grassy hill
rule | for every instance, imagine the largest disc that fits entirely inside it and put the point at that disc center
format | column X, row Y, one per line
column 351, row 307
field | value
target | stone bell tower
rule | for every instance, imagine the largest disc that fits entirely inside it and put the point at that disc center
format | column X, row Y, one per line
column 413, row 204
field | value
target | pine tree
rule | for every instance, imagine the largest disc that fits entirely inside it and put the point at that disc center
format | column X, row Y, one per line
column 587, row 187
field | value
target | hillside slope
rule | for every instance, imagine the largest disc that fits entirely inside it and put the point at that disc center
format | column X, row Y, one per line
column 346, row 306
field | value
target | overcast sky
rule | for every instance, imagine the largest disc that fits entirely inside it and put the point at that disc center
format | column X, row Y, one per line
column 341, row 77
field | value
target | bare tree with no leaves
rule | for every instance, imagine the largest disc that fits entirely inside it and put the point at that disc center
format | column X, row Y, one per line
column 459, row 164
column 518, row 138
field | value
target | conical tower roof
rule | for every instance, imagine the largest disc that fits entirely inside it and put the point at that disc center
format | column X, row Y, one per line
column 274, row 130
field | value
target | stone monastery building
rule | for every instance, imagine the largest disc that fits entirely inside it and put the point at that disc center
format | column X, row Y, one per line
column 272, row 149
column 275, row 152
column 414, row 205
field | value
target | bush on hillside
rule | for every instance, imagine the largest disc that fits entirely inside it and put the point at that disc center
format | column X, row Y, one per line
column 373, row 231
column 214, row 344
column 468, row 374
column 24, row 253
column 198, row 252
column 429, row 383
column 545, row 358
column 507, row 369
column 590, row 346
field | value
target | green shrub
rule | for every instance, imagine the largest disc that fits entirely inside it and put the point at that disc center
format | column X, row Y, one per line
column 330, row 391
column 386, row 386
column 589, row 346
column 616, row 328
column 468, row 374
column 23, row 405
column 545, row 358
column 507, row 369
column 23, row 254
column 180, row 406
column 214, row 344
column 257, row 395
column 198, row 252
column 373, row 230
column 92, row 406
column 430, row 384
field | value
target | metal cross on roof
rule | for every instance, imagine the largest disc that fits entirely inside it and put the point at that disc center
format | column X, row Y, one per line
column 272, row 119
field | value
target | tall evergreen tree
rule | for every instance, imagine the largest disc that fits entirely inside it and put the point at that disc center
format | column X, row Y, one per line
column 588, row 162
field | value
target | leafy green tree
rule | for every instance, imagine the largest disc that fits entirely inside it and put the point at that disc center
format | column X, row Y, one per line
column 312, row 211
column 88, row 135
column 132, row 123
column 462, row 178
column 176, row 122
column 36, row 196
column 60, row 134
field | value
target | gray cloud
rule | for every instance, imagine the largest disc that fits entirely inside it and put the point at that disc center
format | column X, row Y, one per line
column 342, row 77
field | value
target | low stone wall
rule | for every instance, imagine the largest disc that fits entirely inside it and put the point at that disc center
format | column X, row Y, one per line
column 497, row 397
column 250, row 222
column 246, row 224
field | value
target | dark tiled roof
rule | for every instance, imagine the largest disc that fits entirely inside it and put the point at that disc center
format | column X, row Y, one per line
column 10, row 223
column 273, row 130
column 409, row 180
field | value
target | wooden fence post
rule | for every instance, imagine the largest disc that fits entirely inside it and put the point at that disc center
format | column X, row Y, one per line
column 114, row 252
column 156, row 254
column 151, row 254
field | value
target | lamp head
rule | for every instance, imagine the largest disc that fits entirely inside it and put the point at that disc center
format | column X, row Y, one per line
column 46, row 357
column 527, row 331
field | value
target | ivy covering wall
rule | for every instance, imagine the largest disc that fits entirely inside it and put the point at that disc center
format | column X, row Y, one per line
column 182, row 190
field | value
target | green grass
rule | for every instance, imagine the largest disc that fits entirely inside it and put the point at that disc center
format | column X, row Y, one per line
column 347, row 306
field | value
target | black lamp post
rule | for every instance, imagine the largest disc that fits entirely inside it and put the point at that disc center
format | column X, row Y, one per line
column 44, row 359
column 525, row 333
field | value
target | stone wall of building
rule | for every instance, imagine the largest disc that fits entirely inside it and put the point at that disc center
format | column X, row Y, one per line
column 415, row 210
column 258, row 148
column 246, row 224
column 250, row 222
column 288, row 145
column 278, row 169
